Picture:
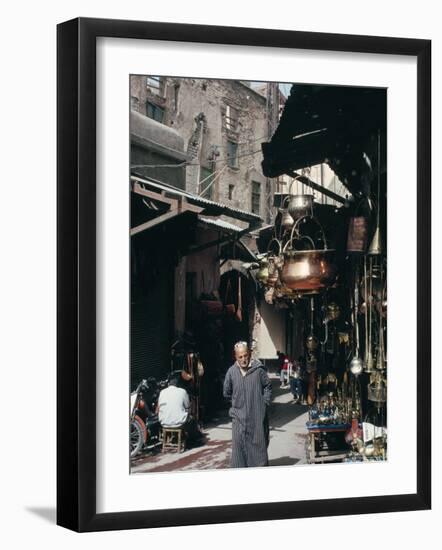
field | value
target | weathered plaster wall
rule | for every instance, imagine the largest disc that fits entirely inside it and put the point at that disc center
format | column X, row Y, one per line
column 184, row 99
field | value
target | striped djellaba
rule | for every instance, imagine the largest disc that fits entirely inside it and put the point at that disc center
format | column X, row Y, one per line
column 250, row 396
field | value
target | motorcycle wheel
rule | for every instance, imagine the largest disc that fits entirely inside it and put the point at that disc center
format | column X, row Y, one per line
column 136, row 438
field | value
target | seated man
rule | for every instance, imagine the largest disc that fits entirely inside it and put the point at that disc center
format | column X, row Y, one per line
column 173, row 409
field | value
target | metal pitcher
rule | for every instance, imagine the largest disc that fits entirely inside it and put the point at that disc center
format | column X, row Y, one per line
column 287, row 220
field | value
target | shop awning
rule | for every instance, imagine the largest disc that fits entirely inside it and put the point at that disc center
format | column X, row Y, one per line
column 161, row 192
column 156, row 204
column 335, row 125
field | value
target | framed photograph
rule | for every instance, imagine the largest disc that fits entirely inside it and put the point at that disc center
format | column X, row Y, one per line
column 236, row 208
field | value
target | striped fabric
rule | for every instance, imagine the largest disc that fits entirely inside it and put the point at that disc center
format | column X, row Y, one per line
column 250, row 396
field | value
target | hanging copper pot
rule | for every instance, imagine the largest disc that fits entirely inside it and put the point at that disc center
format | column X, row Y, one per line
column 309, row 270
column 300, row 206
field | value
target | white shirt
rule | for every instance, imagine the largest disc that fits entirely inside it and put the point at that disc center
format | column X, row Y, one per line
column 173, row 405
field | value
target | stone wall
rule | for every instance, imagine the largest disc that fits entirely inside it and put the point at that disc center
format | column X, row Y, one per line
column 190, row 102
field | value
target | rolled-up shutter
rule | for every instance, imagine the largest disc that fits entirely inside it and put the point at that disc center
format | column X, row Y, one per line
column 151, row 320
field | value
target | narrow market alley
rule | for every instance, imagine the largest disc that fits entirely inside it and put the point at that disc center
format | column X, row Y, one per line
column 287, row 446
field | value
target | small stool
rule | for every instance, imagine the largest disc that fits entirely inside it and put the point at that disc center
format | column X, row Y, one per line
column 173, row 439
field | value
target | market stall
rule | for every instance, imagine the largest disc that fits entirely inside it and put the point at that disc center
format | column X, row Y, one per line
column 325, row 265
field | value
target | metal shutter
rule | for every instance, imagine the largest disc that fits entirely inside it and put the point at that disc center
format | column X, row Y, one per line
column 151, row 319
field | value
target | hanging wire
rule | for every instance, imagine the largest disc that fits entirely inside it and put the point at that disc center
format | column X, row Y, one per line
column 213, row 181
column 248, row 142
column 212, row 174
column 190, row 163
column 180, row 165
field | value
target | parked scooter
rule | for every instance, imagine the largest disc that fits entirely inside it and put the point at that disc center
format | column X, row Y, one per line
column 145, row 427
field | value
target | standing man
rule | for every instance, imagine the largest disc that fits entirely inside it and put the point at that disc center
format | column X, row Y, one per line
column 249, row 390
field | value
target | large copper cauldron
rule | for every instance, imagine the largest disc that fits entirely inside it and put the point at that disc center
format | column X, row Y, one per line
column 308, row 270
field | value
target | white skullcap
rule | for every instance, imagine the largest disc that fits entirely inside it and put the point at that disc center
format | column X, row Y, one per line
column 241, row 345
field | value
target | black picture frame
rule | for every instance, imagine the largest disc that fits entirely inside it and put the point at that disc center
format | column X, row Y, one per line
column 76, row 273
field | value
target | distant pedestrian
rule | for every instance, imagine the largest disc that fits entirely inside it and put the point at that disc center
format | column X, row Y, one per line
column 282, row 357
column 297, row 382
column 284, row 375
column 248, row 388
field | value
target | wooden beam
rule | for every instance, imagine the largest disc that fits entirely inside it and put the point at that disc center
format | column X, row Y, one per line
column 191, row 207
column 154, row 222
column 179, row 202
column 139, row 190
column 317, row 187
column 223, row 240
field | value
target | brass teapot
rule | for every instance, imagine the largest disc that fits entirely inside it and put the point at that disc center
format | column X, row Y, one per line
column 263, row 271
column 275, row 262
column 273, row 277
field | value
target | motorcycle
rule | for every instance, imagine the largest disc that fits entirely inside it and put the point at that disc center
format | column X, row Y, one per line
column 145, row 428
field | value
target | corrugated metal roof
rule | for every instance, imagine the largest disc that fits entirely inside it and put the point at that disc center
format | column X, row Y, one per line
column 229, row 210
column 262, row 229
column 221, row 224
